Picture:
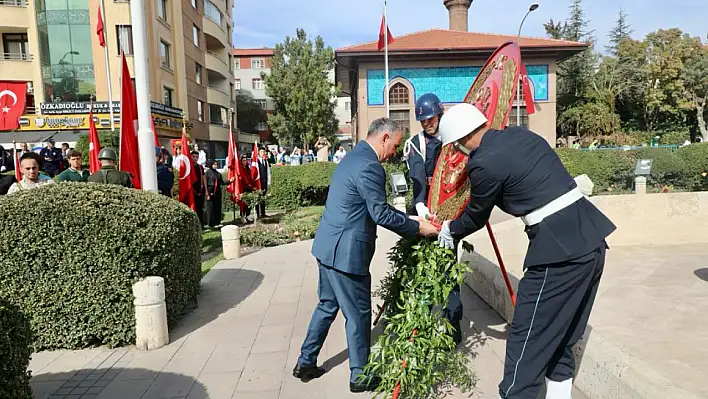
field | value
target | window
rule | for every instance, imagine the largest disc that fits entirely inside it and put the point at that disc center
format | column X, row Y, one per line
column 194, row 4
column 237, row 64
column 524, row 117
column 199, row 72
column 212, row 12
column 164, row 54
column 237, row 84
column 399, row 95
column 261, row 126
column 162, row 9
column 261, row 103
column 195, row 35
column 258, row 84
column 217, row 115
column 167, row 94
column 200, row 111
column 15, row 45
column 404, row 120
column 347, row 105
column 257, row 63
column 124, row 35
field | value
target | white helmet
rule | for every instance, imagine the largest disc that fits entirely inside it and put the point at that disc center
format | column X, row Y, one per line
column 459, row 121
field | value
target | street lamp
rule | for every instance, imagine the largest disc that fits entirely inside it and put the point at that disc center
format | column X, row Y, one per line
column 532, row 8
column 67, row 53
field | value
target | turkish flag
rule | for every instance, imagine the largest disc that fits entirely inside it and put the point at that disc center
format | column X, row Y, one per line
column 129, row 160
column 94, row 145
column 12, row 104
column 388, row 35
column 233, row 166
column 528, row 96
column 99, row 29
column 255, row 173
column 187, row 177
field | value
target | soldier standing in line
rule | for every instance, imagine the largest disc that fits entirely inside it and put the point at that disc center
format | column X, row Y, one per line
column 109, row 174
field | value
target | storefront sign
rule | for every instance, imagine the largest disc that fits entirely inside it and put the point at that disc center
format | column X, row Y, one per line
column 81, row 122
column 102, row 107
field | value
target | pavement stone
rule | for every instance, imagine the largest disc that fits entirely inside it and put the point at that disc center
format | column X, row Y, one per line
column 244, row 339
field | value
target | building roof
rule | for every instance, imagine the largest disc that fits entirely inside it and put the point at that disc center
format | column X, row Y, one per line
column 245, row 52
column 443, row 39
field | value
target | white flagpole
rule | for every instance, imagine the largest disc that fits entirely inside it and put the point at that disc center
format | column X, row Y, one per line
column 108, row 67
column 388, row 107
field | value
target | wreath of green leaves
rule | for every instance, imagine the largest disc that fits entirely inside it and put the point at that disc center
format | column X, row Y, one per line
column 416, row 291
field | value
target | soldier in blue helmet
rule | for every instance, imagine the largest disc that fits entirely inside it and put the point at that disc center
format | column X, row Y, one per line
column 421, row 153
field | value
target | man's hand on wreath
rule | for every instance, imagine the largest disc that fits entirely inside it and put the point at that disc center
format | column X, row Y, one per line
column 445, row 239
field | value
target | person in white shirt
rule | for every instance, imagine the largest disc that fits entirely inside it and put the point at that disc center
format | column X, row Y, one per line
column 339, row 155
column 30, row 163
column 202, row 156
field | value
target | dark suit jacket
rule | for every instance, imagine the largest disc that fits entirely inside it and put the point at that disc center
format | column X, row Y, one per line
column 516, row 170
column 356, row 203
column 5, row 183
column 263, row 167
column 420, row 169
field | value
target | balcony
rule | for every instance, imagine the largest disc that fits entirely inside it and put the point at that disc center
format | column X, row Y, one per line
column 217, row 63
column 218, row 96
column 16, row 66
column 216, row 31
column 14, row 14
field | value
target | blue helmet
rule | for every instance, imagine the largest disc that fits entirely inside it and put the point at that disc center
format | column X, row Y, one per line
column 427, row 106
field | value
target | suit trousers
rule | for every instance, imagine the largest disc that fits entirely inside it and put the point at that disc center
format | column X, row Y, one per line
column 352, row 294
column 199, row 204
column 261, row 207
column 553, row 306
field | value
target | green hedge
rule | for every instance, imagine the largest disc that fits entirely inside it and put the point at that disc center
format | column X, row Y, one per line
column 304, row 185
column 72, row 251
column 15, row 344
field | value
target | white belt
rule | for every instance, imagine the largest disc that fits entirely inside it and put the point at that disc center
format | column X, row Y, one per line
column 552, row 207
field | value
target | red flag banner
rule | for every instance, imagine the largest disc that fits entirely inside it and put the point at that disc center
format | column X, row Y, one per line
column 129, row 159
column 99, row 29
column 94, row 145
column 12, row 104
column 255, row 173
column 233, row 167
column 386, row 37
column 187, row 177
column 18, row 173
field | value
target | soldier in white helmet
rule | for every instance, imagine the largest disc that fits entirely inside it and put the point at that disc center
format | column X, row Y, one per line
column 516, row 170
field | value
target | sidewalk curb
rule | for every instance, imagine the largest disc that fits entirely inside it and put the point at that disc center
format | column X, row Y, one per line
column 604, row 371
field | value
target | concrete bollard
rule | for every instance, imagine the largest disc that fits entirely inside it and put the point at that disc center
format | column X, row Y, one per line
column 640, row 185
column 150, row 314
column 400, row 204
column 231, row 242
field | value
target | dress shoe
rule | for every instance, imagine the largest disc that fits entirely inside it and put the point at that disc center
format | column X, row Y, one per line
column 305, row 372
column 370, row 384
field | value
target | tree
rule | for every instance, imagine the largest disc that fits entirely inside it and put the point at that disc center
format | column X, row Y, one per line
column 695, row 76
column 304, row 97
column 248, row 113
column 620, row 32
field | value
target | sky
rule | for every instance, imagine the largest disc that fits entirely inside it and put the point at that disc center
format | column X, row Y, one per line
column 264, row 23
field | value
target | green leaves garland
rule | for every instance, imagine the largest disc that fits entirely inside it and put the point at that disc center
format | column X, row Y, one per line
column 416, row 291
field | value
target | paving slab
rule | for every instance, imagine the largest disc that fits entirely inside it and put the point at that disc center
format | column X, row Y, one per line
column 244, row 339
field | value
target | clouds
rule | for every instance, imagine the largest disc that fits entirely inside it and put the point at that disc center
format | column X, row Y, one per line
column 261, row 23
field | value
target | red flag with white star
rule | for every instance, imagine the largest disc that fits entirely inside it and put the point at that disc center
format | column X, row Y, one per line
column 12, row 104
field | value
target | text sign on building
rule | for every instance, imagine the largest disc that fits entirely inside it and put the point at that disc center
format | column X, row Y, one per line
column 81, row 122
column 102, row 107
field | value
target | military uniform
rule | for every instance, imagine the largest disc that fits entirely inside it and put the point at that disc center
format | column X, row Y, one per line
column 517, row 171
column 422, row 152
column 108, row 174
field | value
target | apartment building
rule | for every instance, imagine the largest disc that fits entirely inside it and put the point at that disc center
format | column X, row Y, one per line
column 248, row 64
column 53, row 46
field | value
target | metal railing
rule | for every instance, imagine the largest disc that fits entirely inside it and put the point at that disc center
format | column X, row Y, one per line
column 13, row 3
column 16, row 56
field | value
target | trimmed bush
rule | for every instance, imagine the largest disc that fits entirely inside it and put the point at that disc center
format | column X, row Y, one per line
column 15, row 344
column 304, row 185
column 72, row 251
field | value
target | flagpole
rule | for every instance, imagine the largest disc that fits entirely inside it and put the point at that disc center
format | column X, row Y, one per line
column 386, row 99
column 108, row 66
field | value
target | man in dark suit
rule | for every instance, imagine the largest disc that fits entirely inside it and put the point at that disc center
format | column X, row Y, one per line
column 264, row 174
column 344, row 245
column 516, row 170
column 6, row 182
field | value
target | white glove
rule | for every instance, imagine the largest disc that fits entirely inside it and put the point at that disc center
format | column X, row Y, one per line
column 422, row 210
column 445, row 239
column 3, row 168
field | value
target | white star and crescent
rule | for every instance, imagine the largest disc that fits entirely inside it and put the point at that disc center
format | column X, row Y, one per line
column 10, row 93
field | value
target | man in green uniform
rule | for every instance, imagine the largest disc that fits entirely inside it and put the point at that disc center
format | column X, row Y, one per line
column 109, row 174
column 75, row 172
